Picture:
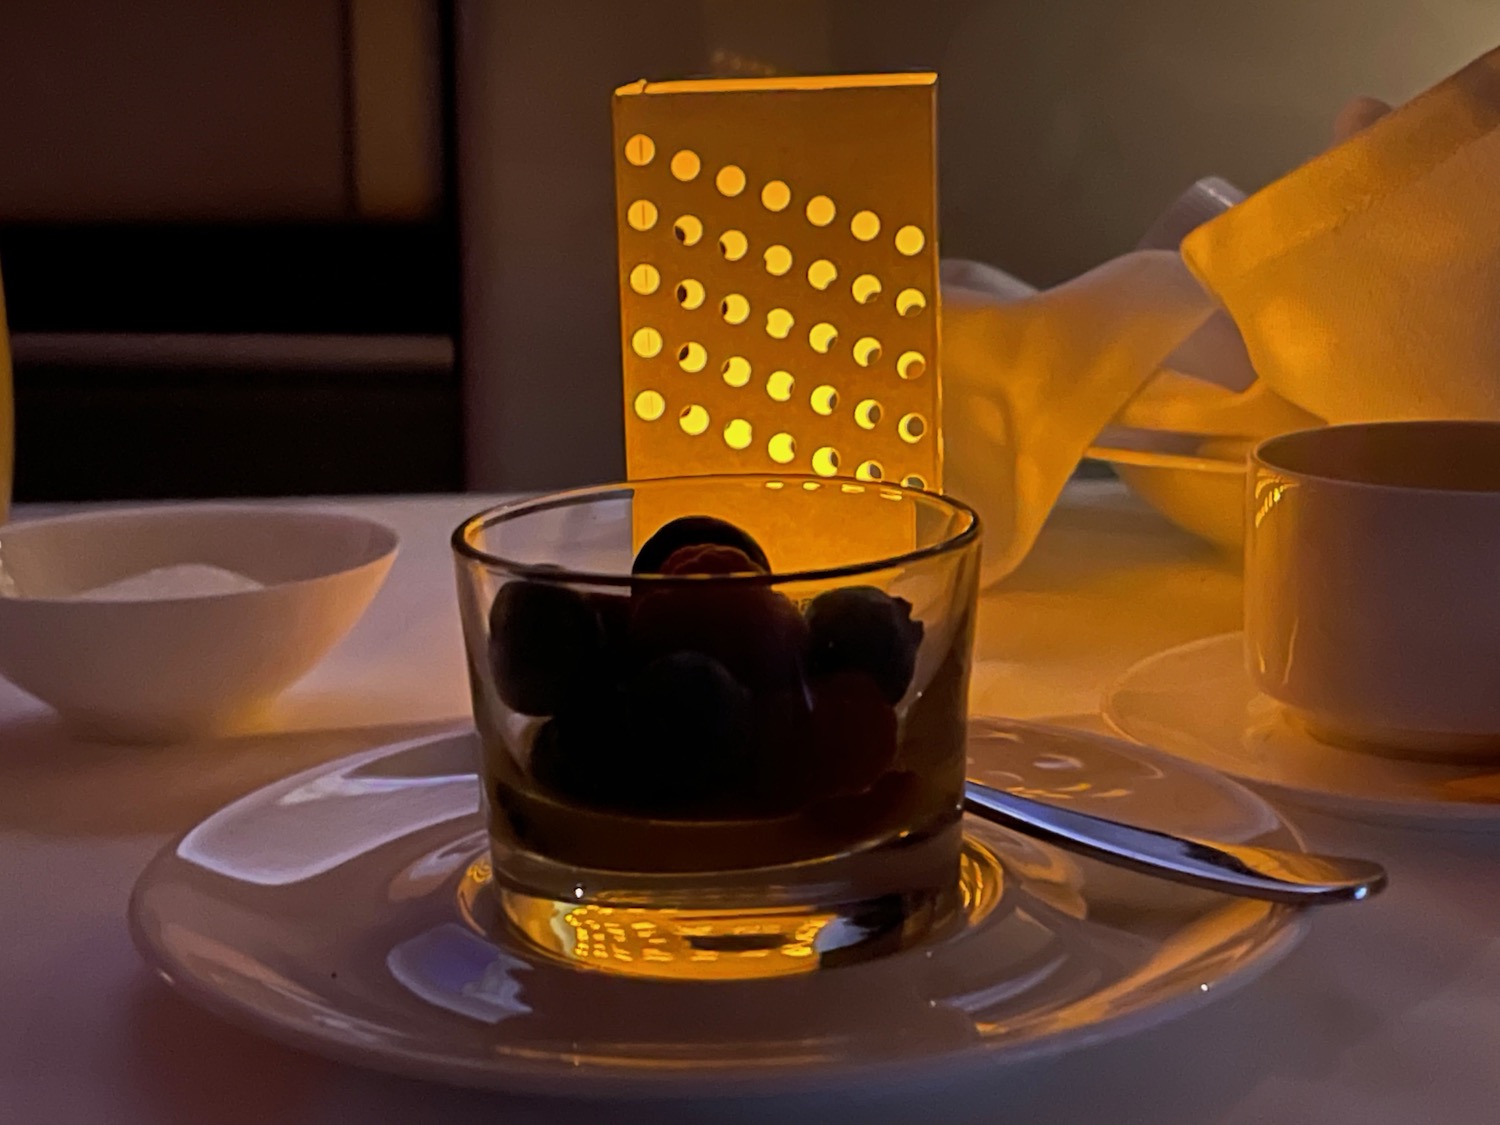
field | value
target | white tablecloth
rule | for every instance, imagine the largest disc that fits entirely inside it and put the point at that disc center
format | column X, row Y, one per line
column 1389, row 1012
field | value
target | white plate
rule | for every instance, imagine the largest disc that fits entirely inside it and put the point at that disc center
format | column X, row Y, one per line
column 1197, row 703
column 322, row 911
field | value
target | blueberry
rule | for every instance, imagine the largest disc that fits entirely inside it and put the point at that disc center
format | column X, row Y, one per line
column 694, row 531
column 835, row 738
column 614, row 612
column 546, row 642
column 784, row 778
column 853, row 732
column 687, row 725
column 672, row 741
column 568, row 760
column 752, row 630
column 862, row 629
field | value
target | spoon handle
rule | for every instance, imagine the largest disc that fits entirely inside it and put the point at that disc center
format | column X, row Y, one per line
column 1238, row 869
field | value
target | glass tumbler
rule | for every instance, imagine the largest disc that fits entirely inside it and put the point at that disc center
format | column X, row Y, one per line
column 722, row 719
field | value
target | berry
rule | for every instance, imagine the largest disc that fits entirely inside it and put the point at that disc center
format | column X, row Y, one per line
column 784, row 778
column 710, row 558
column 837, row 738
column 614, row 612
column 752, row 630
column 694, row 531
column 853, row 733
column 673, row 741
column 571, row 758
column 687, row 724
column 546, row 642
column 862, row 629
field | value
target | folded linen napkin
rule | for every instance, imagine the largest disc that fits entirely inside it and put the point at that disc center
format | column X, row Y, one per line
column 1363, row 285
column 1030, row 378
column 1366, row 283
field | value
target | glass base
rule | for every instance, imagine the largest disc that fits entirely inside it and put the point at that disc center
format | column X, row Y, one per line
column 740, row 941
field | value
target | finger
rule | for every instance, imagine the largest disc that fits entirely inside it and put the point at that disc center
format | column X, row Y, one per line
column 1357, row 113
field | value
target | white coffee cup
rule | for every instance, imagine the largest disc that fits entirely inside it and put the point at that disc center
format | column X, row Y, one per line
column 1372, row 584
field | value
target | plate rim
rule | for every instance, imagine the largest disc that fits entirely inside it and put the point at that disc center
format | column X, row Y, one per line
column 1111, row 446
column 1431, row 814
column 603, row 1081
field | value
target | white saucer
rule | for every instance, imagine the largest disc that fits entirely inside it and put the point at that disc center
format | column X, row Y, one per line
column 323, row 911
column 1197, row 703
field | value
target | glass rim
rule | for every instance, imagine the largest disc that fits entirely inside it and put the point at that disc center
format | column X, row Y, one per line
column 549, row 572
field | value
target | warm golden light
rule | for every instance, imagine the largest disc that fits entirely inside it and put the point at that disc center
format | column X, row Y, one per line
column 866, row 351
column 640, row 150
column 776, row 196
column 779, row 235
column 910, row 240
column 866, row 288
column 646, row 343
column 778, row 260
column 688, row 230
column 736, row 371
column 700, row 945
column 730, row 181
column 733, row 245
column 909, row 302
column 690, row 293
column 738, row 434
column 692, row 357
column 649, row 406
column 645, row 279
column 912, row 428
column 865, row 226
column 820, row 211
column 822, row 273
column 642, row 214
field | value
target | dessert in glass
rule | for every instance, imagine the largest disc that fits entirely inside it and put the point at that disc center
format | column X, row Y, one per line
column 722, row 719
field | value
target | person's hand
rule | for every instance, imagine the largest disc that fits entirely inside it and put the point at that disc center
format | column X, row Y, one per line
column 1356, row 114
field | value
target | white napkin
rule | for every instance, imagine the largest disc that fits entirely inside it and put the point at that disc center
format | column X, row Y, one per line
column 1363, row 285
column 1208, row 385
column 1366, row 283
column 1030, row 378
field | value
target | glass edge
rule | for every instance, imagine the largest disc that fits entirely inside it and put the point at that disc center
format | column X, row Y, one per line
column 464, row 550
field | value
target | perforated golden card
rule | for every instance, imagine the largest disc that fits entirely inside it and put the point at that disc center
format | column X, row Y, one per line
column 779, row 277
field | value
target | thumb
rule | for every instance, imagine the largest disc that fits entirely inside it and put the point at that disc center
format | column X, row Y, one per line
column 1356, row 114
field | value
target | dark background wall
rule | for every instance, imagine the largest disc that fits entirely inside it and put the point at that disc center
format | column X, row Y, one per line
column 307, row 171
column 228, row 247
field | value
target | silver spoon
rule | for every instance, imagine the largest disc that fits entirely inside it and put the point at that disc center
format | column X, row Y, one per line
column 1249, row 870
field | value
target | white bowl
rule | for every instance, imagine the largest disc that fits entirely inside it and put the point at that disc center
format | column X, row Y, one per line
column 172, row 667
column 1197, row 483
